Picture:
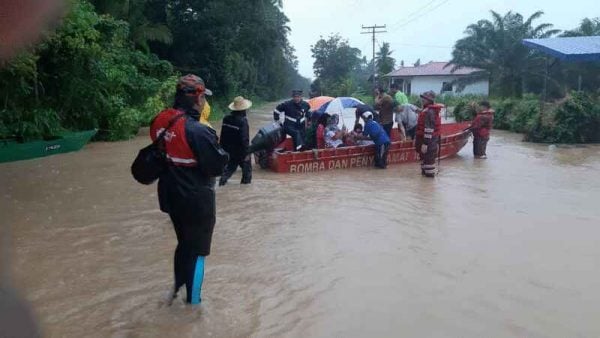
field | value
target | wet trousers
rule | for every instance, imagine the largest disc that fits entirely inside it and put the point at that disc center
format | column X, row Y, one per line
column 479, row 146
column 388, row 128
column 428, row 159
column 410, row 132
column 296, row 132
column 245, row 164
column 188, row 265
column 381, row 154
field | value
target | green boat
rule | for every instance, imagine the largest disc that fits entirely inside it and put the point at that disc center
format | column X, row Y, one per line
column 12, row 150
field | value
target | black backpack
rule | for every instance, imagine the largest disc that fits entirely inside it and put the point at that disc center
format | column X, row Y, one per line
column 151, row 161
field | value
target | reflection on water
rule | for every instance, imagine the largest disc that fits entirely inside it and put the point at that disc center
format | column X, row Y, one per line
column 502, row 247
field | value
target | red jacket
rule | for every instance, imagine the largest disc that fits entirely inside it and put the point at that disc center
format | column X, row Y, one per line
column 429, row 123
column 482, row 124
column 178, row 150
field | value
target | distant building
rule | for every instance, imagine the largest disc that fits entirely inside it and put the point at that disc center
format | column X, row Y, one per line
column 437, row 77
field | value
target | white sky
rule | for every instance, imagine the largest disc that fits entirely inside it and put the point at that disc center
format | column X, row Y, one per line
column 412, row 31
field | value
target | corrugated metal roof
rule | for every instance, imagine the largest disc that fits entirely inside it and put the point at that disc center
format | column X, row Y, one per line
column 580, row 48
column 432, row 69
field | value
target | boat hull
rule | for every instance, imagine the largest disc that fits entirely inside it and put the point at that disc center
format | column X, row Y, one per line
column 14, row 151
column 454, row 138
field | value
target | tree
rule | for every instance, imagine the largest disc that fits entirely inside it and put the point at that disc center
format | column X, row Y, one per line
column 142, row 29
column 384, row 62
column 495, row 46
column 335, row 60
column 588, row 27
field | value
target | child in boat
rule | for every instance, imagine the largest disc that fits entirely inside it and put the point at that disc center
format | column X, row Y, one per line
column 355, row 137
column 333, row 134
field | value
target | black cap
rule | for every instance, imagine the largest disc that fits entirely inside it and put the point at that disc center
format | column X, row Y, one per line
column 297, row 92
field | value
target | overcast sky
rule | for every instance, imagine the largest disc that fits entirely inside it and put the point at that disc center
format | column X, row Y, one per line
column 425, row 29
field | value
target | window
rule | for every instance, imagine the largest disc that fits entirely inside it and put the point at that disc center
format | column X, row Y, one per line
column 447, row 86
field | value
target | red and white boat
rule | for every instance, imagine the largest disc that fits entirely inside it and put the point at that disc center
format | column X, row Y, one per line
column 283, row 160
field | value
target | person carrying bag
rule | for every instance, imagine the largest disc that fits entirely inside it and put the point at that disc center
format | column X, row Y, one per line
column 192, row 160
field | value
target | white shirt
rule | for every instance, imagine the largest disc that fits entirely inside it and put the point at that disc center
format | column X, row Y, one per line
column 330, row 142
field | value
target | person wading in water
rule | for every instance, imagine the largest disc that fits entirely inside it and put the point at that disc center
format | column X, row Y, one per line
column 186, row 190
column 481, row 126
column 235, row 139
column 428, row 134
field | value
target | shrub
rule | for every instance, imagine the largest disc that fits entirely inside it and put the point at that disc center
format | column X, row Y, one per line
column 573, row 120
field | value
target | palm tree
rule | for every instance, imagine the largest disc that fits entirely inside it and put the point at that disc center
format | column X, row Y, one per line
column 383, row 60
column 496, row 47
column 588, row 27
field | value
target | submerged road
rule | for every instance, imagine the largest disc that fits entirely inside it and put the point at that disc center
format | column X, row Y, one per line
column 503, row 247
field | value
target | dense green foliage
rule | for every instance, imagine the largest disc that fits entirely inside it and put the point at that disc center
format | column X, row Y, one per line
column 85, row 75
column 574, row 119
column 340, row 70
column 335, row 62
column 112, row 65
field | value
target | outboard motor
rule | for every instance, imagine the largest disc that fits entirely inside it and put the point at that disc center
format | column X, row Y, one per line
column 263, row 143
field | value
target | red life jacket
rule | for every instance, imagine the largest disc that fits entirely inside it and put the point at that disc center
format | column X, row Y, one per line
column 420, row 132
column 178, row 150
column 483, row 123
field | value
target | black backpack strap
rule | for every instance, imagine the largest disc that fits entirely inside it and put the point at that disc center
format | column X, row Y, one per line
column 162, row 134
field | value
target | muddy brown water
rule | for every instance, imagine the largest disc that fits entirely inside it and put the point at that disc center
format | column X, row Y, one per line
column 506, row 247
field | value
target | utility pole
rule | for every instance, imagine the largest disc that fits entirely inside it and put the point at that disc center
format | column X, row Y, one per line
column 373, row 30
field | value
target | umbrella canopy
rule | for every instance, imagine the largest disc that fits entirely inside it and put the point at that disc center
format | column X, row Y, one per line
column 343, row 106
column 337, row 105
column 316, row 102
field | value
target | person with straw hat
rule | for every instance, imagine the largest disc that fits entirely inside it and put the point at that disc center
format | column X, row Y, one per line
column 235, row 139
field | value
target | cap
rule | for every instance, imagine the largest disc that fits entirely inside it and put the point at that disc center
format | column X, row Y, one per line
column 297, row 92
column 193, row 85
column 428, row 95
column 367, row 115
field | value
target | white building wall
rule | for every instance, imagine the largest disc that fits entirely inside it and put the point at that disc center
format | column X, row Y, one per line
column 477, row 88
column 421, row 84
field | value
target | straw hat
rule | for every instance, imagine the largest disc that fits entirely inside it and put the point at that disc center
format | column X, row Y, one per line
column 240, row 103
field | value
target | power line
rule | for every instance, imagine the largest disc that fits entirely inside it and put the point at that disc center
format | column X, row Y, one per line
column 418, row 17
column 411, row 14
column 424, row 46
column 374, row 30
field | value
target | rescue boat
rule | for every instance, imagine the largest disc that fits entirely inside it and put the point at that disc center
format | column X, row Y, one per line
column 283, row 160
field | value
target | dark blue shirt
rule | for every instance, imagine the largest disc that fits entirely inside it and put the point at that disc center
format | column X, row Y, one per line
column 375, row 131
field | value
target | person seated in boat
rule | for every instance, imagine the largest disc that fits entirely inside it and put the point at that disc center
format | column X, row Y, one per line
column 334, row 136
column 310, row 139
column 320, row 131
column 379, row 136
column 355, row 137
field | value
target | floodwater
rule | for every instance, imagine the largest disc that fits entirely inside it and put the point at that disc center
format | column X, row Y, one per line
column 504, row 247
